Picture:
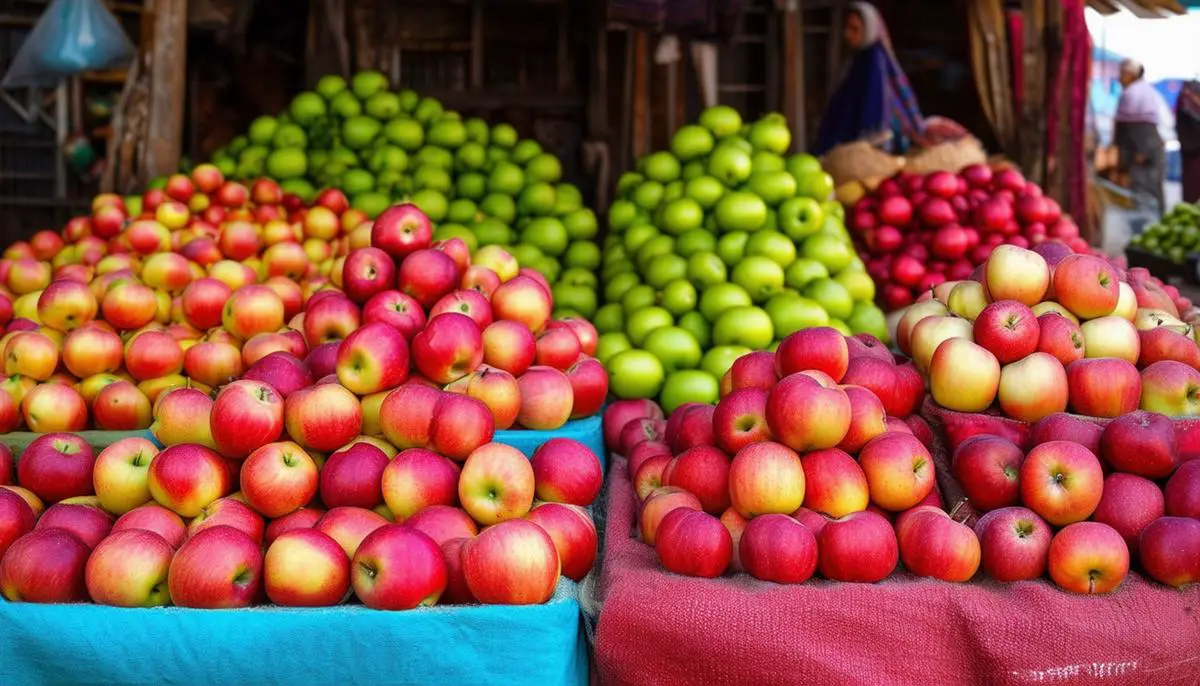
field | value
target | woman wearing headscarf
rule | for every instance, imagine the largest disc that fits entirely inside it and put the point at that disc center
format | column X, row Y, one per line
column 1187, row 128
column 1142, row 154
column 874, row 100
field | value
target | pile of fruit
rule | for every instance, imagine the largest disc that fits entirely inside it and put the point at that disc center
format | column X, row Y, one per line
column 1038, row 335
column 915, row 232
column 478, row 183
column 1175, row 237
column 720, row 246
column 798, row 471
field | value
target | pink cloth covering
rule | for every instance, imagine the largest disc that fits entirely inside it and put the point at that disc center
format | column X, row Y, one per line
column 657, row 628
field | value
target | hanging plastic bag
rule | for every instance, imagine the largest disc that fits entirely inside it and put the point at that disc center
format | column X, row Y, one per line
column 70, row 37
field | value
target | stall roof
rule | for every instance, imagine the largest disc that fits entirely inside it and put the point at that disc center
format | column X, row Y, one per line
column 1148, row 9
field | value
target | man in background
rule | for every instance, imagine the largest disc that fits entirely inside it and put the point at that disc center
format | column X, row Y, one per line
column 1140, row 146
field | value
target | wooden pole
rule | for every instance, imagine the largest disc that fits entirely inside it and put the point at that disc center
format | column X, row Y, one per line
column 793, row 72
column 168, row 85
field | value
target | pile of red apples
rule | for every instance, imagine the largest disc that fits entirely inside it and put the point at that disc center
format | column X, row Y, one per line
column 915, row 232
column 396, row 526
column 1031, row 335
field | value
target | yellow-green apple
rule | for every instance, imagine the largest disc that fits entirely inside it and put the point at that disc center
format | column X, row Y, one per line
column 546, row 398
column 349, row 526
column 57, row 466
column 396, row 309
column 497, row 483
column 766, row 478
column 967, row 299
column 778, row 549
column 1170, row 550
column 930, row 332
column 703, row 471
column 621, row 412
column 498, row 260
column 398, row 568
column 860, row 547
column 129, row 569
column 1062, row 482
column 31, row 354
column 247, row 415
column 1111, row 336
column 88, row 523
column 187, row 477
column 66, row 305
column 417, row 478
column 1129, row 504
column 1088, row 557
column 834, row 484
column 203, row 302
column 351, row 477
column 16, row 519
column 868, row 418
column 279, row 478
column 1008, row 330
column 282, row 371
column 181, row 415
column 218, row 568
column 899, row 471
column 443, row 523
column 566, row 471
column 427, row 275
column 804, row 415
column 121, row 406
column 740, row 419
column 1060, row 337
column 402, row 229
column 911, row 317
column 509, row 345
column 1086, row 285
column 154, row 518
column 121, row 473
column 512, row 563
column 557, row 347
column 933, row 545
column 822, row 348
column 306, row 568
column 45, row 566
column 129, row 305
column 1182, row 492
column 366, row 273
column 756, row 370
column 1171, row 388
column 988, row 468
column 1127, row 304
column 656, row 506
column 471, row 303
column 89, row 351
column 481, row 279
column 1141, row 443
column 524, row 300
column 1015, row 544
column 406, row 415
column 461, row 425
column 304, row 518
column 1162, row 343
column 252, row 310
column 573, row 533
column 1106, row 387
column 693, row 543
column 449, row 348
column 963, row 376
column 495, row 388
column 228, row 511
column 1033, row 388
column 1014, row 273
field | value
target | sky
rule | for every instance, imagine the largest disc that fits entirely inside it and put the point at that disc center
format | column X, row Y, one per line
column 1168, row 48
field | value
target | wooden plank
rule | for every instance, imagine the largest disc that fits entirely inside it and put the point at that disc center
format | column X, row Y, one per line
column 477, row 44
column 641, row 94
column 597, row 107
column 793, row 72
column 168, row 85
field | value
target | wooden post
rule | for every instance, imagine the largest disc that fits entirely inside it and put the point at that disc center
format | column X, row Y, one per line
column 641, row 94
column 793, row 72
column 477, row 43
column 168, row 85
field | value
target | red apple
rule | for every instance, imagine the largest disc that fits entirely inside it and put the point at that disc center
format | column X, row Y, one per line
column 129, row 569
column 1129, row 504
column 546, row 398
column 57, row 466
column 217, row 568
column 1007, row 329
column 372, row 359
column 443, row 523
column 427, row 276
column 704, row 472
column 1033, row 388
column 306, row 568
column 834, row 484
column 88, row 524
column 868, row 418
column 449, row 348
column 1015, row 543
column 1088, row 557
column 566, row 471
column 1182, row 491
column 693, row 543
column 401, row 230
column 1170, row 550
column 512, row 563
column 279, row 478
column 17, row 518
column 740, row 418
column 766, row 478
column 1061, row 338
column 46, row 566
column 156, row 519
column 281, row 371
column 1104, row 387
column 351, row 477
column 509, row 345
column 398, row 568
column 524, row 300
column 323, row 417
column 803, row 415
column 860, row 547
column 1086, row 285
column 497, row 484
column 573, row 533
column 461, row 425
column 349, row 526
column 822, row 348
column 933, row 545
column 416, row 479
column 657, row 505
column 246, row 416
column 779, row 549
column 1062, row 482
column 899, row 471
column 400, row 311
column 589, row 387
column 1141, row 443
column 468, row 302
column 988, row 469
column 366, row 273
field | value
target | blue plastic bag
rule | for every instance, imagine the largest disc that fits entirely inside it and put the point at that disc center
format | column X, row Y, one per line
column 72, row 36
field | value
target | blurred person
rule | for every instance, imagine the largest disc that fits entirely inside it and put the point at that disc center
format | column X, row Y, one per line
column 1142, row 153
column 1187, row 129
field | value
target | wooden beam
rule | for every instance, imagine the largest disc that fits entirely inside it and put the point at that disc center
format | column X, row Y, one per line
column 168, row 85
column 641, row 94
column 793, row 72
column 477, row 43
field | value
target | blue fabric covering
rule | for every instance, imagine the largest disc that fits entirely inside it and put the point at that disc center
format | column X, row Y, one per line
column 874, row 97
column 495, row 645
column 588, row 431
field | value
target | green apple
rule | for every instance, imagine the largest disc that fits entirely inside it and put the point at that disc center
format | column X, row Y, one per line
column 504, row 135
column 665, row 269
column 661, row 167
column 627, row 182
column 694, row 241
column 720, row 297
column 621, row 214
column 616, row 287
column 695, row 323
column 760, row 276
column 772, row 245
column 860, row 284
column 636, row 236
column 832, row 296
column 580, row 223
column 679, row 296
column 800, row 218
column 771, row 134
column 675, row 347
column 721, row 120
column 689, row 386
column 610, row 318
column 637, row 298
column 506, row 178
column 719, row 359
column 729, row 164
column 829, row 250
column 833, row 208
column 745, row 326
column 578, row 276
column 705, row 190
column 867, row 318
column 705, row 269
column 803, row 164
column 615, row 268
column 773, row 187
column 567, row 198
column 653, row 249
column 639, row 324
column 841, row 326
column 544, row 167
column 648, row 195
column 764, row 161
column 805, row 269
column 525, row 151
column 579, row 298
column 740, row 211
column 681, row 215
column 635, row 374
column 536, row 199
column 790, row 313
column 691, row 142
column 609, row 343
column 731, row 247
column 671, row 191
column 692, row 169
column 499, row 206
column 817, row 186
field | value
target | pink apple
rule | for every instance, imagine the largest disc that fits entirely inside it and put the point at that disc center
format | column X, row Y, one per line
column 279, row 478
column 1170, row 550
column 366, row 273
column 704, row 472
column 449, row 348
column 129, row 569
column 566, row 471
column 329, row 319
column 1015, row 543
column 304, row 518
column 46, row 566
column 657, row 505
column 834, row 484
column 1007, row 329
column 1062, row 482
column 860, row 547
column 933, row 545
column 349, row 526
column 1061, row 338
column 509, row 345
column 821, row 348
column 573, row 533
column 693, row 543
column 868, row 418
column 402, row 229
column 88, row 524
column 779, row 549
column 1182, row 491
column 512, row 563
column 1104, row 387
column 228, row 512
column 546, row 398
column 524, row 300
column 471, row 303
column 497, row 483
column 621, row 412
column 246, row 416
column 443, row 523
column 427, row 275
column 372, row 359
column 401, row 312
column 306, row 568
column 416, row 479
column 589, row 386
column 1129, row 504
column 899, row 471
column 407, row 413
column 766, row 478
column 803, row 415
column 1088, row 557
column 218, row 568
column 281, row 371
column 324, row 417
column 1157, row 344
column 740, row 418
column 156, row 519
column 17, row 518
column 351, row 477
column 398, row 568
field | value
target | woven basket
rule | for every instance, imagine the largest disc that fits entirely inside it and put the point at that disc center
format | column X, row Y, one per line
column 860, row 161
column 951, row 156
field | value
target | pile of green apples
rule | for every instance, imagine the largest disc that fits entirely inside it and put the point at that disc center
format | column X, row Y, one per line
column 481, row 183
column 1176, row 236
column 719, row 246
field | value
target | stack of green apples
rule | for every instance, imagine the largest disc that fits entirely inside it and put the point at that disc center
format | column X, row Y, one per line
column 717, row 247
